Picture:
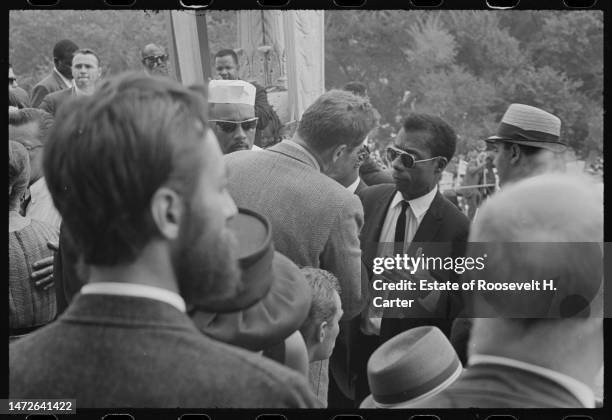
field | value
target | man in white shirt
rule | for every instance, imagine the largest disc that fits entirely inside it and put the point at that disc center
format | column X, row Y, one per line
column 60, row 77
column 401, row 218
column 141, row 185
column 540, row 349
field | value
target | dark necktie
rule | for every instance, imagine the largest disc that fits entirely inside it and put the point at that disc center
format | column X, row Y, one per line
column 400, row 229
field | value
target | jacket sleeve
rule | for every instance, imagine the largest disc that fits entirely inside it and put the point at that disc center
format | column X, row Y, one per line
column 47, row 105
column 38, row 94
column 342, row 256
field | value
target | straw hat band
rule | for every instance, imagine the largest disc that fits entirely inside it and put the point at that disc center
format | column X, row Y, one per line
column 509, row 131
column 420, row 389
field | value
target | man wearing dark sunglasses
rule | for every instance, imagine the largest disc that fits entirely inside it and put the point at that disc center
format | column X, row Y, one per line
column 232, row 114
column 410, row 215
column 154, row 60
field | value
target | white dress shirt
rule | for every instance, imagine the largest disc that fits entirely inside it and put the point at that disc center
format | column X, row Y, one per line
column 578, row 389
column 135, row 290
column 414, row 216
column 353, row 187
column 41, row 205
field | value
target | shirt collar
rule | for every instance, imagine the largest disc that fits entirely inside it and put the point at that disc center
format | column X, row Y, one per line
column 419, row 205
column 135, row 290
column 67, row 82
column 353, row 187
column 578, row 389
column 38, row 188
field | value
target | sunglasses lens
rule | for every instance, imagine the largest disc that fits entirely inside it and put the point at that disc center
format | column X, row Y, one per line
column 227, row 127
column 407, row 160
column 249, row 125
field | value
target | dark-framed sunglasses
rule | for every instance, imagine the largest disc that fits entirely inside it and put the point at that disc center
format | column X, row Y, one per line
column 230, row 126
column 155, row 59
column 408, row 160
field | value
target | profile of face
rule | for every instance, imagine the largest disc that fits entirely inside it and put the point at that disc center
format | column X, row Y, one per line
column 235, row 126
column 205, row 254
column 155, row 60
column 328, row 332
column 226, row 67
column 346, row 163
column 423, row 176
column 85, row 71
column 12, row 78
column 63, row 64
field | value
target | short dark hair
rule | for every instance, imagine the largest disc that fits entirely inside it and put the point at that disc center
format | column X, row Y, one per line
column 64, row 48
column 356, row 88
column 107, row 155
column 19, row 172
column 443, row 138
column 337, row 117
column 29, row 115
column 323, row 284
column 226, row 52
column 87, row 51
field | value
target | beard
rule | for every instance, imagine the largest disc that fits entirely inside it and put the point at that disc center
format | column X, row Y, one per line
column 206, row 265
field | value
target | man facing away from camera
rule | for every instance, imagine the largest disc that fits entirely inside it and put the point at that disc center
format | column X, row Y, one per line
column 517, row 360
column 156, row 240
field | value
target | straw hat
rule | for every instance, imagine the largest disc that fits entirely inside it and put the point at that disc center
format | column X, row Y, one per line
column 530, row 126
column 410, row 367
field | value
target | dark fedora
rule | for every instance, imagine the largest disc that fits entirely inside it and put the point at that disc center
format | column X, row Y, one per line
column 530, row 126
column 410, row 367
column 276, row 297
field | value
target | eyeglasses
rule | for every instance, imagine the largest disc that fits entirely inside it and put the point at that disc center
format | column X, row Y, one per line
column 230, row 126
column 408, row 160
column 31, row 147
column 155, row 59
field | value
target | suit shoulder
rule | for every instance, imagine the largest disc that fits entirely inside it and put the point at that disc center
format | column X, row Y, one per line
column 375, row 191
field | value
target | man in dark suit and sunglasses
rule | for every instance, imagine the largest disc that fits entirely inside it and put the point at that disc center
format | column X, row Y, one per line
column 232, row 114
column 408, row 217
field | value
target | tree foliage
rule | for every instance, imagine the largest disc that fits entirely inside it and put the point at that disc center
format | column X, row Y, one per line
column 465, row 66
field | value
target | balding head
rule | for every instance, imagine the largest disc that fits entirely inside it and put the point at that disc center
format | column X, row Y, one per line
column 547, row 227
column 154, row 60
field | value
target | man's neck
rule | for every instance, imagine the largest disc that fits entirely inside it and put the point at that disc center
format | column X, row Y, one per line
column 151, row 268
column 320, row 159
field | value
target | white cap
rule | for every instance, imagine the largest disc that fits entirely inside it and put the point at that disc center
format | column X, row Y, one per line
column 231, row 92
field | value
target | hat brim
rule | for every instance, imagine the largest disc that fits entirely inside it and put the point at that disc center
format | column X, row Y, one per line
column 552, row 146
column 269, row 321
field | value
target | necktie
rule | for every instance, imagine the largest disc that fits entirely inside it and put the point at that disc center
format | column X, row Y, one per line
column 400, row 229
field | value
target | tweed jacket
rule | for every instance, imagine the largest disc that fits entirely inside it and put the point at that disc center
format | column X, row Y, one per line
column 496, row 386
column 52, row 83
column 315, row 220
column 119, row 351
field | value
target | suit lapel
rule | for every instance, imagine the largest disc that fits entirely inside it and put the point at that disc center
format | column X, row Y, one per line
column 375, row 212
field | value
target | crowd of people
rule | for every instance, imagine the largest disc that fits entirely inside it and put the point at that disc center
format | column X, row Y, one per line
column 162, row 254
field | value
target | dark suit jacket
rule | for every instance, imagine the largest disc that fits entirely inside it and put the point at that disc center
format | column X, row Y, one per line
column 443, row 223
column 119, row 351
column 265, row 113
column 495, row 386
column 53, row 101
column 52, row 83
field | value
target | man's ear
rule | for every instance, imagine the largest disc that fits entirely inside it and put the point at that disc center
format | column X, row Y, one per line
column 167, row 210
column 321, row 331
column 515, row 153
column 338, row 151
column 442, row 162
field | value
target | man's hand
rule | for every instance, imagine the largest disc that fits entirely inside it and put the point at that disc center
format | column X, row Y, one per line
column 42, row 270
